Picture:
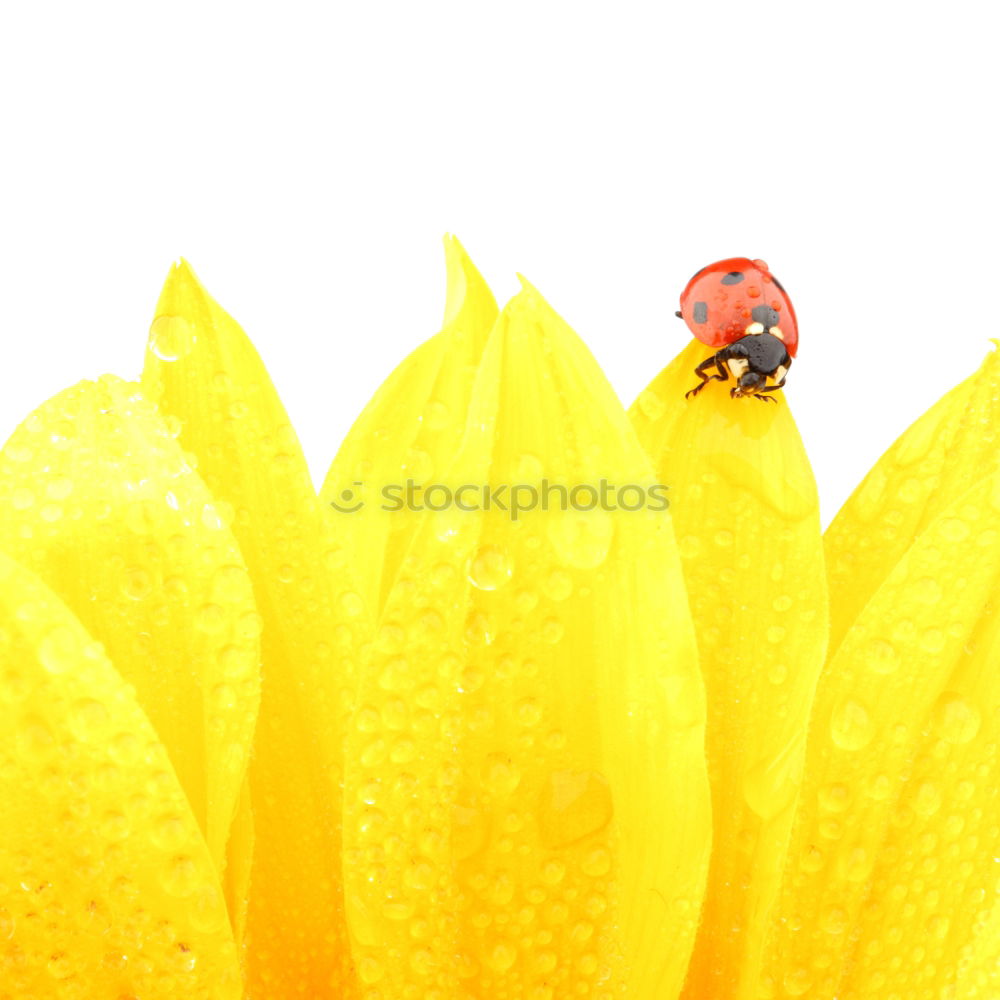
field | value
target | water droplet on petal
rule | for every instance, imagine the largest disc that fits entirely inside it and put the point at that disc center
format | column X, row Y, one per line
column 502, row 956
column 954, row 719
column 573, row 805
column 57, row 651
column 881, row 656
column 171, row 338
column 651, row 404
column 851, row 726
column 490, row 568
column 581, row 538
column 500, row 774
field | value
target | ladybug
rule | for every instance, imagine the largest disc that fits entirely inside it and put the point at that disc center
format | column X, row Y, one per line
column 739, row 306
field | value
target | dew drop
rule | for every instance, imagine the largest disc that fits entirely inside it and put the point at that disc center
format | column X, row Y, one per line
column 597, row 862
column 552, row 630
column 553, row 872
column 851, row 726
column 559, row 585
column 573, row 805
column 369, row 970
column 59, row 488
column 529, row 712
column 500, row 774
column 834, row 797
column 214, row 516
column 89, row 720
column 22, row 498
column 797, row 982
column 879, row 788
column 57, row 652
column 953, row 529
column 651, row 404
column 581, row 538
column 881, row 657
column 835, row 920
column 927, row 801
column 171, row 338
column 777, row 673
column 137, row 583
column 209, row 618
column 545, row 962
column 237, row 661
column 351, row 603
column 398, row 909
column 932, row 640
column 180, row 878
column 490, row 568
column 857, row 865
column 954, row 719
column 502, row 956
column 929, row 590
column 769, row 786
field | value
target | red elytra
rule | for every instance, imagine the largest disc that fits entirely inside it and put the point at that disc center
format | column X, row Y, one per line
column 723, row 299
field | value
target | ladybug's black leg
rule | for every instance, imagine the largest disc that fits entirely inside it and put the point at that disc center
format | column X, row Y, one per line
column 770, row 388
column 716, row 360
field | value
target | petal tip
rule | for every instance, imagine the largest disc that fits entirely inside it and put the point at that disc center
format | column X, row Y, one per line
column 464, row 281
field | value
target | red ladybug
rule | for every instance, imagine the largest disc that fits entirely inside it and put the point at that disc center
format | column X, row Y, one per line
column 738, row 305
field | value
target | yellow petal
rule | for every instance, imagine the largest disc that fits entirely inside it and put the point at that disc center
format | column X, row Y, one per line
column 746, row 514
column 98, row 499
column 892, row 869
column 951, row 447
column 526, row 807
column 203, row 371
column 411, row 425
column 106, row 886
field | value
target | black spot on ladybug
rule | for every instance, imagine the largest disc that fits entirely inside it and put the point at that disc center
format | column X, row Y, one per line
column 766, row 316
column 701, row 312
column 732, row 278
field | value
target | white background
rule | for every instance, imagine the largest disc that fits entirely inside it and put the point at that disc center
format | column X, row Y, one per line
column 307, row 158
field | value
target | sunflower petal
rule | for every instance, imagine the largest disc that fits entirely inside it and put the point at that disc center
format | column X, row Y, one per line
column 106, row 885
column 500, row 836
column 892, row 868
column 411, row 425
column 203, row 371
column 98, row 499
column 951, row 447
column 746, row 514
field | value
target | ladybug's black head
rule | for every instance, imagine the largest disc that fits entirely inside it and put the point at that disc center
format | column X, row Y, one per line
column 749, row 384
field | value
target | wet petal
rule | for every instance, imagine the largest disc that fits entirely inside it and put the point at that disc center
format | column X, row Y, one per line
column 951, row 447
column 526, row 808
column 410, row 430
column 97, row 497
column 892, row 871
column 106, row 886
column 204, row 372
column 746, row 515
